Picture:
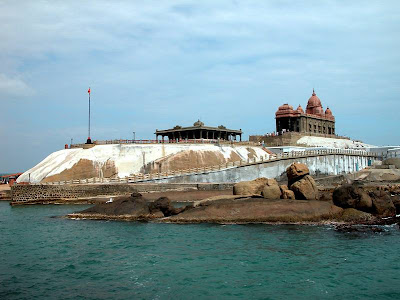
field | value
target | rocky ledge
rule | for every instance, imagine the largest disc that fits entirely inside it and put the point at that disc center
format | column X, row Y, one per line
column 264, row 201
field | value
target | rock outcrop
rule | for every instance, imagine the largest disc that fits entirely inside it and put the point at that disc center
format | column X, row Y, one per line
column 301, row 183
column 354, row 215
column 164, row 205
column 253, row 187
column 133, row 207
column 295, row 172
column 305, row 188
column 382, row 203
column 271, row 190
column 376, row 201
column 250, row 210
column 351, row 196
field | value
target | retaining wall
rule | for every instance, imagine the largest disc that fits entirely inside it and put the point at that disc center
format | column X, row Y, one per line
column 25, row 194
column 318, row 165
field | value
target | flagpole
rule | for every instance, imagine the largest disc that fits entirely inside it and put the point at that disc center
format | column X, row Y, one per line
column 89, row 115
column 89, row 141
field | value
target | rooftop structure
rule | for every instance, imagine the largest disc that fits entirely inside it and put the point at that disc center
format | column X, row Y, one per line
column 199, row 131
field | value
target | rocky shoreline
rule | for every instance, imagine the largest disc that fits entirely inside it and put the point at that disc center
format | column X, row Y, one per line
column 264, row 201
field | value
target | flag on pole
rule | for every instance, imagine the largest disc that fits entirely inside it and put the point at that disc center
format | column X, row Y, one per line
column 88, row 91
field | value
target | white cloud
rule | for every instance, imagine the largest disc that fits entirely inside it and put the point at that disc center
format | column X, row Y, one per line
column 14, row 86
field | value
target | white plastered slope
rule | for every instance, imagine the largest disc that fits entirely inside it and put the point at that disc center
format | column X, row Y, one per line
column 128, row 159
column 316, row 141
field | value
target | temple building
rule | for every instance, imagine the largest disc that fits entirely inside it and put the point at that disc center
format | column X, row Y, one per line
column 314, row 120
column 199, row 131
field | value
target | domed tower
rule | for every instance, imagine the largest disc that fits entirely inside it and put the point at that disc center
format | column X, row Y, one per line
column 300, row 110
column 328, row 114
column 284, row 118
column 284, row 110
column 314, row 106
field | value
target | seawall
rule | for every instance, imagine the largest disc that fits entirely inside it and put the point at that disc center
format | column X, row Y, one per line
column 43, row 194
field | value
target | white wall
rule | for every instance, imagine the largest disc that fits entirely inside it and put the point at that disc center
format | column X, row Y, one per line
column 327, row 165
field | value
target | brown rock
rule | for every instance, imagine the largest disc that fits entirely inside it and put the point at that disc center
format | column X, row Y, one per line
column 352, row 196
column 325, row 195
column 288, row 194
column 164, row 205
column 296, row 171
column 253, row 187
column 134, row 205
column 396, row 202
column 382, row 203
column 354, row 215
column 250, row 210
column 271, row 190
column 305, row 189
column 283, row 187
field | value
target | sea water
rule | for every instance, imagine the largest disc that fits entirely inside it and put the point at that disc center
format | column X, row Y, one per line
column 42, row 257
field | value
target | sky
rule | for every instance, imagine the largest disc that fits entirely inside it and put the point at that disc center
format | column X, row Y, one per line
column 156, row 64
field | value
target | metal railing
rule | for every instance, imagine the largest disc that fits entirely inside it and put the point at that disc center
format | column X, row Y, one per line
column 181, row 141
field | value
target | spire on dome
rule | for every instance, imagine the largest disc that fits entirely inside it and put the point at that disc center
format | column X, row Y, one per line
column 300, row 109
column 313, row 93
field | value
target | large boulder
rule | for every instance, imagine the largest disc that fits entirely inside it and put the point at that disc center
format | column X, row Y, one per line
column 135, row 206
column 271, row 190
column 382, row 203
column 351, row 196
column 305, row 188
column 253, row 187
column 296, row 171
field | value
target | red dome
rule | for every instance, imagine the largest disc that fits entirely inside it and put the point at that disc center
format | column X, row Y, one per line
column 328, row 114
column 285, row 107
column 328, row 111
column 284, row 110
column 300, row 109
column 313, row 103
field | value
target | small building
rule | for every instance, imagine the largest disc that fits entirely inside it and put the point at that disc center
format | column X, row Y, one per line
column 199, row 131
column 9, row 179
column 314, row 120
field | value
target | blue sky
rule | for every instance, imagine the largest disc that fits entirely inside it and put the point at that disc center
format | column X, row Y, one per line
column 155, row 64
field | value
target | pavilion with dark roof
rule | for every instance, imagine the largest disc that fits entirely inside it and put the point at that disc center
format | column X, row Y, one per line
column 199, row 131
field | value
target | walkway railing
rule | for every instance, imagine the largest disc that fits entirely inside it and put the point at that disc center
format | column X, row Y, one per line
column 186, row 141
column 140, row 177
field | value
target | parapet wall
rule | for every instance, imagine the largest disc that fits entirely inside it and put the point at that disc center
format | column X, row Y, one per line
column 288, row 138
column 25, row 194
column 319, row 165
